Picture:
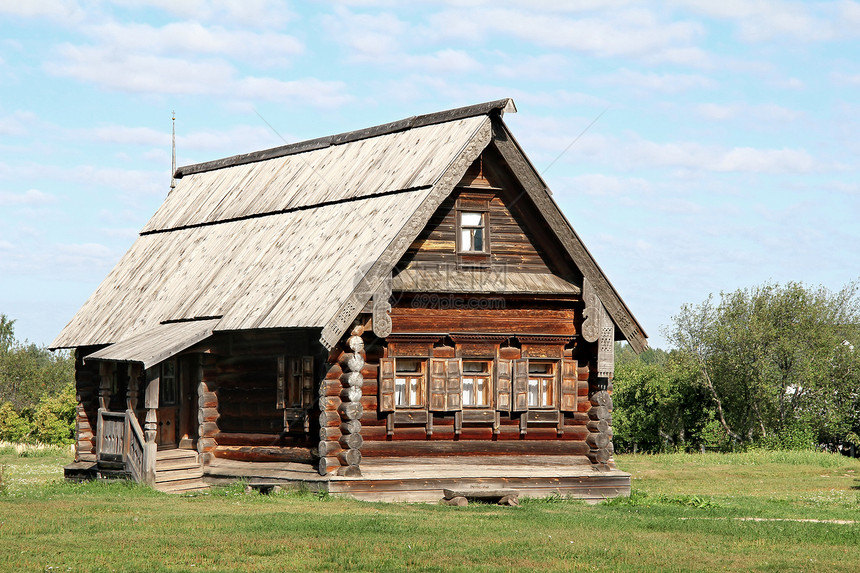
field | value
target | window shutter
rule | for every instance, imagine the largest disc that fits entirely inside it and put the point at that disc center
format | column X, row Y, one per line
column 503, row 385
column 386, row 384
column 438, row 384
column 568, row 385
column 282, row 386
column 454, row 391
column 521, row 385
column 307, row 381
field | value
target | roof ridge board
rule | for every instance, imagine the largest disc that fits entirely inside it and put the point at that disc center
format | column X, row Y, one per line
column 498, row 106
column 284, row 211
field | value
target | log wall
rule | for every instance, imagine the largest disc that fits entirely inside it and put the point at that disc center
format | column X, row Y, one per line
column 450, row 433
column 207, row 407
column 86, row 412
column 238, row 410
column 512, row 244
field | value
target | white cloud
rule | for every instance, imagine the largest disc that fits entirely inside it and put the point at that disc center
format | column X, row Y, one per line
column 17, row 123
column 599, row 184
column 529, row 67
column 126, row 135
column 612, row 33
column 764, row 112
column 193, row 39
column 243, row 137
column 765, row 20
column 748, row 159
column 651, row 81
column 368, row 36
column 443, row 62
column 30, row 197
column 60, row 10
column 380, row 39
column 238, row 139
column 709, row 158
column 161, row 75
column 307, row 91
column 846, row 79
column 630, row 151
column 127, row 233
column 250, row 13
column 141, row 73
column 78, row 258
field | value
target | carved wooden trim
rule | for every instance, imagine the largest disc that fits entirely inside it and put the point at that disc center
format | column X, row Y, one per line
column 488, row 338
column 591, row 322
column 606, row 346
column 538, row 339
column 382, row 309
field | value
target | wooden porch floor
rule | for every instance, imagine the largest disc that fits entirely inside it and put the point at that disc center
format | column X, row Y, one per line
column 423, row 479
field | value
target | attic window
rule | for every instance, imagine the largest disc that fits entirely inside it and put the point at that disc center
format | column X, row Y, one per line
column 473, row 231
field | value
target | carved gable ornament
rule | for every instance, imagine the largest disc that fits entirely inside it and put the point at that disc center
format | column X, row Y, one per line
column 598, row 327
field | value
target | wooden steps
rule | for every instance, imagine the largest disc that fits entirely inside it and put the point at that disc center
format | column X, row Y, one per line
column 178, row 471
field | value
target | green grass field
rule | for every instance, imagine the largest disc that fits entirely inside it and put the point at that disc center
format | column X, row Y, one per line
column 759, row 511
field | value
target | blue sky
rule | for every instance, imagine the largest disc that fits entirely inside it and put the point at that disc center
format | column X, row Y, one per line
column 726, row 155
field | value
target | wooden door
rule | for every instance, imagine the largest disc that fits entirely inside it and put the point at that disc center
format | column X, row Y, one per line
column 168, row 410
column 187, row 409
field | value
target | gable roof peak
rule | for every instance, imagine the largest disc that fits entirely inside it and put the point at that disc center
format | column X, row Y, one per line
column 492, row 108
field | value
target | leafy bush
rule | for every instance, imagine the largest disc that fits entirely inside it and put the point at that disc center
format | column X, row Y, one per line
column 54, row 419
column 794, row 438
column 13, row 427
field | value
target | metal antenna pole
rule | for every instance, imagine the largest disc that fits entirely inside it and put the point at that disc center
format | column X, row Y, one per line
column 173, row 150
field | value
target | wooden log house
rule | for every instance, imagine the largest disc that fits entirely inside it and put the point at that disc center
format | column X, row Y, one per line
column 384, row 313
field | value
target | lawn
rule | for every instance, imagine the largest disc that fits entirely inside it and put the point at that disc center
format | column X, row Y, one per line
column 759, row 511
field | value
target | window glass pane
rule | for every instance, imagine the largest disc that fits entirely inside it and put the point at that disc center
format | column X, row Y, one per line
column 482, row 393
column 400, row 391
column 470, row 219
column 540, row 368
column 414, row 389
column 408, row 365
column 547, row 392
column 478, row 240
column 534, row 398
column 466, row 239
column 468, row 391
column 475, row 367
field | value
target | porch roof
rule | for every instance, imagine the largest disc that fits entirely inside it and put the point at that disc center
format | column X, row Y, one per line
column 156, row 344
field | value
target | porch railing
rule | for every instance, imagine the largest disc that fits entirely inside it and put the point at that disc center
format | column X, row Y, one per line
column 120, row 444
column 135, row 452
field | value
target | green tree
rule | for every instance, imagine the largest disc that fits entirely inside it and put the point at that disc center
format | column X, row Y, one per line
column 54, row 417
column 13, row 426
column 776, row 360
column 657, row 404
column 28, row 371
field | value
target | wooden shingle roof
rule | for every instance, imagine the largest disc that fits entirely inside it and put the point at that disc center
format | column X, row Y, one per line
column 302, row 235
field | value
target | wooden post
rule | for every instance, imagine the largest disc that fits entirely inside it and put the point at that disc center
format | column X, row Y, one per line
column 106, row 370
column 105, row 378
column 133, row 386
column 86, row 412
column 150, row 429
